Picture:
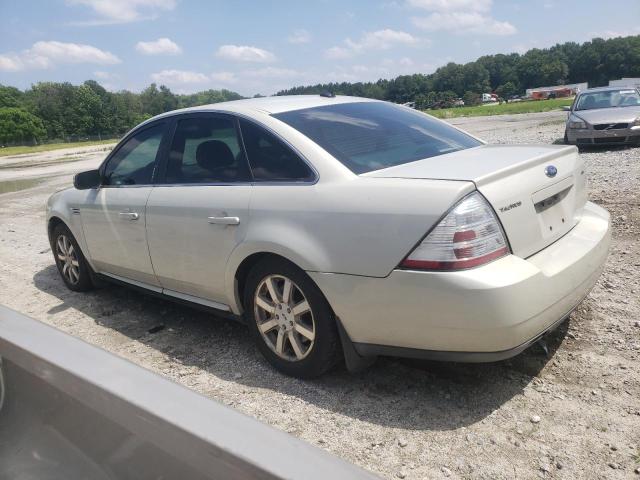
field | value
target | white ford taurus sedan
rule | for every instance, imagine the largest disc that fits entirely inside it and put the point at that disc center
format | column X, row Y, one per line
column 339, row 227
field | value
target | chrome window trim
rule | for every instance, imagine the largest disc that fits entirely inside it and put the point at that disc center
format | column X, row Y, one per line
column 175, row 116
column 237, row 115
column 173, row 126
column 131, row 133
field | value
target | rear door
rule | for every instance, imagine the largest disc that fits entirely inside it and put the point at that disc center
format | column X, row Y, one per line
column 113, row 217
column 198, row 212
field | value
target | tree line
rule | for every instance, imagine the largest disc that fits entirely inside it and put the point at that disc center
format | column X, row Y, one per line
column 595, row 62
column 50, row 110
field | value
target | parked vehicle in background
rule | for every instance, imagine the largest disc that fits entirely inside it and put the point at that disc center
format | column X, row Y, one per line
column 606, row 115
column 555, row 91
column 339, row 226
column 489, row 98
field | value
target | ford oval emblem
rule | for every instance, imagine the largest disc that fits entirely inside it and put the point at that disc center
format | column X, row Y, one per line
column 550, row 171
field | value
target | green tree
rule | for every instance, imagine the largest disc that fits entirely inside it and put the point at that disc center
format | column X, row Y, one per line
column 507, row 90
column 10, row 97
column 471, row 98
column 20, row 126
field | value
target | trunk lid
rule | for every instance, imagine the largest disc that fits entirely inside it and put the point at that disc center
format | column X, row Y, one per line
column 535, row 207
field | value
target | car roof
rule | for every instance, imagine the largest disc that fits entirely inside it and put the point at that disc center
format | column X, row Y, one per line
column 269, row 105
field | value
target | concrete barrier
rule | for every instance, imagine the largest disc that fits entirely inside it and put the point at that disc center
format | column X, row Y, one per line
column 69, row 410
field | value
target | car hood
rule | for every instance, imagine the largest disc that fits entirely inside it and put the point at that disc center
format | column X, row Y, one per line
column 609, row 115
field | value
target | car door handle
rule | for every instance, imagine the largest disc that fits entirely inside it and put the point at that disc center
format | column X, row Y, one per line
column 129, row 215
column 224, row 220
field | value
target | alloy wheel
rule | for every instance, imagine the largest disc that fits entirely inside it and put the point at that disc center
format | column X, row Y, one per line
column 66, row 254
column 284, row 317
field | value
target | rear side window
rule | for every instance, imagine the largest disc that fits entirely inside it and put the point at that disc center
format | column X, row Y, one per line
column 206, row 150
column 134, row 162
column 369, row 136
column 270, row 159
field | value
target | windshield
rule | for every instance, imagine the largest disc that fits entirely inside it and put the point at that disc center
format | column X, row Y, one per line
column 369, row 136
column 609, row 99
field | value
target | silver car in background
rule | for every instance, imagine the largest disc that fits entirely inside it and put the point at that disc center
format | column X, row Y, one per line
column 339, row 227
column 604, row 116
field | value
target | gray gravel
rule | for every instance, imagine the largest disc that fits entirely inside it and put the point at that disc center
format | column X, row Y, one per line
column 575, row 414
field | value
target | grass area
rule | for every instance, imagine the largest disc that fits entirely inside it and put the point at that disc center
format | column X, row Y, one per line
column 532, row 106
column 6, row 151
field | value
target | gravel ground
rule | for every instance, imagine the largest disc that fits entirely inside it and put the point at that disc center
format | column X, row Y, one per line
column 572, row 414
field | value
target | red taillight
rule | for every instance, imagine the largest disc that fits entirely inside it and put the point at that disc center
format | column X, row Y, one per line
column 470, row 235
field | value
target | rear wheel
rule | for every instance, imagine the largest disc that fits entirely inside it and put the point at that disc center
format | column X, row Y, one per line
column 72, row 266
column 290, row 319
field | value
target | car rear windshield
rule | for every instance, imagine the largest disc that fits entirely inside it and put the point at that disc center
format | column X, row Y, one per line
column 627, row 97
column 367, row 136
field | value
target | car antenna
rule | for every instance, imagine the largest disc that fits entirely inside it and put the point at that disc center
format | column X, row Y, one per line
column 327, row 94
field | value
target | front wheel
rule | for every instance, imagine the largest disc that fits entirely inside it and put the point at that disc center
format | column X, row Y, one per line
column 291, row 321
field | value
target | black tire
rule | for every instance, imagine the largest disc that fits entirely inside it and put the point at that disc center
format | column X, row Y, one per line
column 324, row 353
column 81, row 280
column 566, row 138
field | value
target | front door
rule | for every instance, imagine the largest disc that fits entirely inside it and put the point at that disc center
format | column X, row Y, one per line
column 198, row 212
column 113, row 218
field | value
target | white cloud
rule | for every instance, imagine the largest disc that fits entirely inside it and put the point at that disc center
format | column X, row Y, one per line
column 186, row 81
column 10, row 63
column 463, row 22
column 43, row 55
column 299, row 36
column 102, row 75
column 460, row 16
column 378, row 40
column 223, row 77
column 179, row 77
column 162, row 46
column 123, row 11
column 452, row 5
column 338, row 53
column 607, row 34
column 271, row 72
column 244, row 53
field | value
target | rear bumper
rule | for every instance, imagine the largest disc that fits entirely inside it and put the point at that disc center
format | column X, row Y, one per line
column 482, row 314
column 589, row 136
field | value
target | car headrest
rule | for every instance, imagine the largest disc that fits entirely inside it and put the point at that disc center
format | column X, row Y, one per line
column 590, row 102
column 214, row 154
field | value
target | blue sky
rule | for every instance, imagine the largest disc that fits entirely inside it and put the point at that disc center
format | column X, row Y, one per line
column 264, row 46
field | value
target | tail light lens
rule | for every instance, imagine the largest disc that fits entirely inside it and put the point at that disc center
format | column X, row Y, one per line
column 470, row 235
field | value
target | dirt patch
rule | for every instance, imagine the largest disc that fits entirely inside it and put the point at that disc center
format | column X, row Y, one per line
column 574, row 413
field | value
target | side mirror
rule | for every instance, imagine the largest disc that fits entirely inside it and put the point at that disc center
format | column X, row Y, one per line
column 87, row 180
column 566, row 109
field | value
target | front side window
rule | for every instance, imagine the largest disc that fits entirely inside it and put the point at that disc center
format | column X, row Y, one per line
column 206, row 150
column 270, row 159
column 367, row 136
column 134, row 162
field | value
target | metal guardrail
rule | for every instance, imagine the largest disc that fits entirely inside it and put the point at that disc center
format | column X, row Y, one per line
column 71, row 410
